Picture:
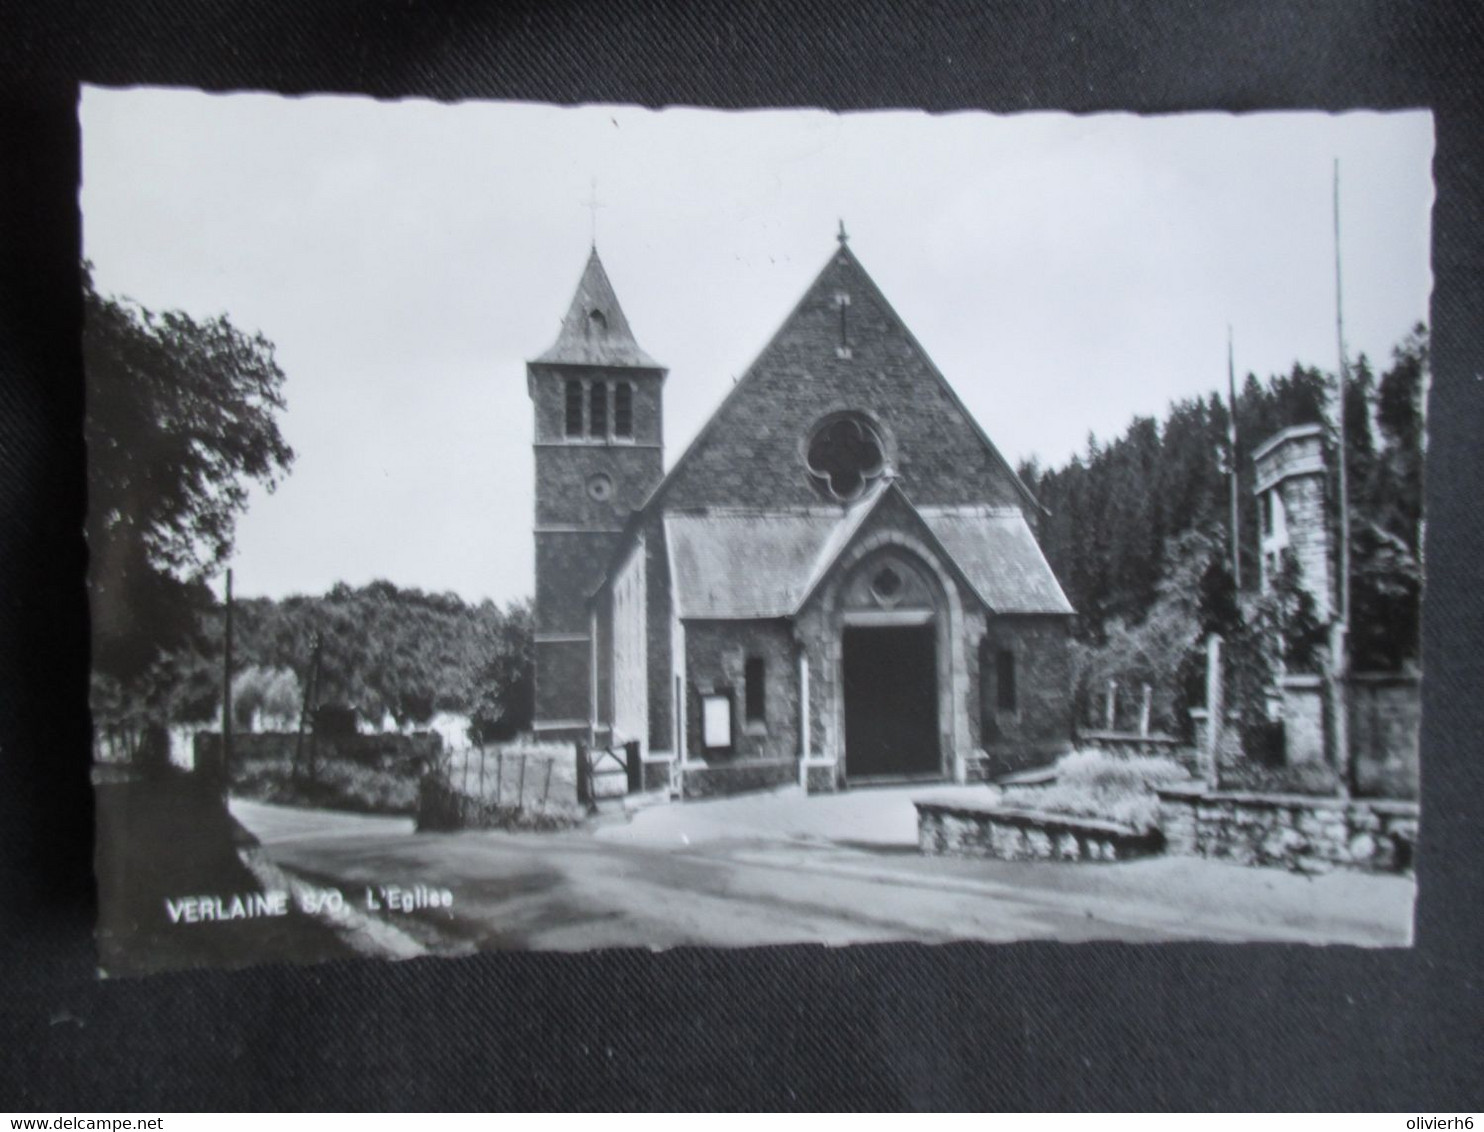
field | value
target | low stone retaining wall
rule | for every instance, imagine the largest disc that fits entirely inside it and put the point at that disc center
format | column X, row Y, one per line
column 658, row 773
column 821, row 776
column 709, row 780
column 952, row 829
column 1290, row 830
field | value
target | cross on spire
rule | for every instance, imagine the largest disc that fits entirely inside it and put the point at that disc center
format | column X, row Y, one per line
column 592, row 204
column 843, row 237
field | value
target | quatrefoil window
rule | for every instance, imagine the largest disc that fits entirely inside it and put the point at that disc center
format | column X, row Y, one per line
column 886, row 585
column 845, row 454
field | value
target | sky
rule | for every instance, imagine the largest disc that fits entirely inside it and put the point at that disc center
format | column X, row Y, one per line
column 1065, row 273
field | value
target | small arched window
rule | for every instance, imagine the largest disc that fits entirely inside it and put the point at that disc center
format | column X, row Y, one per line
column 597, row 409
column 597, row 324
column 574, row 407
column 623, row 409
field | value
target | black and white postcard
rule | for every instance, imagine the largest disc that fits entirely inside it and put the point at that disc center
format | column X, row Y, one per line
column 518, row 526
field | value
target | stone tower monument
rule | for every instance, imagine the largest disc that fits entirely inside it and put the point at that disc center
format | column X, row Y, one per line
column 1294, row 514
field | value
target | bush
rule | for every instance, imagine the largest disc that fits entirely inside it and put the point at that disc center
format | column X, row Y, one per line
column 272, row 694
column 337, row 784
column 1106, row 786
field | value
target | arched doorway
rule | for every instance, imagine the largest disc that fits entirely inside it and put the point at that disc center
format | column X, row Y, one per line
column 891, row 657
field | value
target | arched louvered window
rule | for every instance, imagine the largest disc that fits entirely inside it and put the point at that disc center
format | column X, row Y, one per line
column 574, row 407
column 597, row 409
column 623, row 409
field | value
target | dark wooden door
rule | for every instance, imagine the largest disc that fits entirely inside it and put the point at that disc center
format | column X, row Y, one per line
column 891, row 701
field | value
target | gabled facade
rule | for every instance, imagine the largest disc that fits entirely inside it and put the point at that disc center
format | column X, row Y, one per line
column 837, row 582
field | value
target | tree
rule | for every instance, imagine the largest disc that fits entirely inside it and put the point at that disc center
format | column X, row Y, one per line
column 504, row 693
column 1287, row 620
column 181, row 418
column 269, row 696
column 1386, row 516
column 1399, row 413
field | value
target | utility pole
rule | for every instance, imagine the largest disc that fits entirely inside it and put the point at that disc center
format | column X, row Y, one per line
column 1231, row 394
column 1344, row 489
column 227, row 688
column 1339, row 645
column 311, row 694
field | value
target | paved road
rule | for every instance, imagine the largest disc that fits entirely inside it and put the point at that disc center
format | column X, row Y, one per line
column 573, row 891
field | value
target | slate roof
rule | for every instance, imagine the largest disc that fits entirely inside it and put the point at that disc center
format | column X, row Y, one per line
column 997, row 552
column 586, row 341
column 736, row 564
column 728, row 565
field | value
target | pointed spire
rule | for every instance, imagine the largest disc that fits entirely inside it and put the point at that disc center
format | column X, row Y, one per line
column 595, row 331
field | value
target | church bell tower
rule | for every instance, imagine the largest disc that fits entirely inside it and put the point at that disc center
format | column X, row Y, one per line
column 599, row 453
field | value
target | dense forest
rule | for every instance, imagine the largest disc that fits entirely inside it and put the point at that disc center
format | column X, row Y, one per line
column 1137, row 528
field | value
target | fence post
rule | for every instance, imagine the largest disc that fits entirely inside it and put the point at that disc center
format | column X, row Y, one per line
column 466, row 754
column 1337, row 693
column 520, row 793
column 499, row 776
column 1144, row 713
column 1216, row 712
column 546, row 789
column 584, row 776
column 1112, row 715
column 634, row 764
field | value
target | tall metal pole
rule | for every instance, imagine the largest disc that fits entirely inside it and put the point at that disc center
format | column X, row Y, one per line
column 1344, row 489
column 1231, row 392
column 1339, row 647
column 227, row 687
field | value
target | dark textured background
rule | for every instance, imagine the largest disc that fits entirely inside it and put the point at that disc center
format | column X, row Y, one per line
column 968, row 1025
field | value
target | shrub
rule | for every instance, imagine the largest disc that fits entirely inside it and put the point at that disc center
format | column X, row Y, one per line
column 338, row 784
column 1106, row 786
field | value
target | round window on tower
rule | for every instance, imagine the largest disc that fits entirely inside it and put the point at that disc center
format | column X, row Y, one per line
column 600, row 487
column 845, row 455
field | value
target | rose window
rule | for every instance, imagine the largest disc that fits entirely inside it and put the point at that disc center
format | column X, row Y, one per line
column 845, row 454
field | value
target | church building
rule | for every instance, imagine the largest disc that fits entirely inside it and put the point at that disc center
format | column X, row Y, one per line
column 837, row 583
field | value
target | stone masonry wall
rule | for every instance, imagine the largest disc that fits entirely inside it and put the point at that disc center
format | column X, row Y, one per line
column 562, row 690
column 752, row 452
column 1008, row 834
column 1385, row 732
column 569, row 566
column 1292, row 831
column 1308, row 537
column 735, row 778
column 1040, row 727
column 658, row 645
column 1303, row 719
column 562, row 473
column 716, row 655
column 571, row 562
column 549, row 397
